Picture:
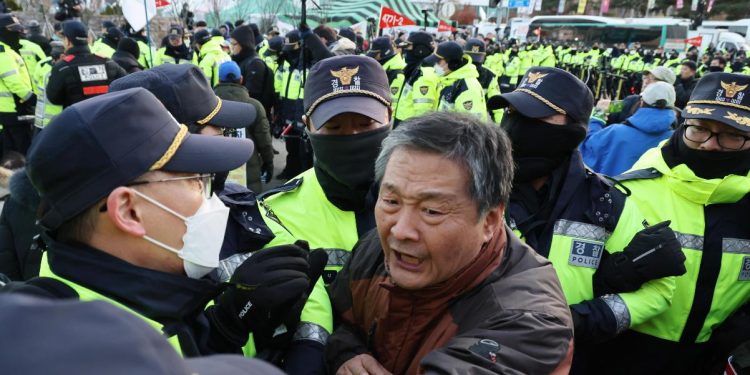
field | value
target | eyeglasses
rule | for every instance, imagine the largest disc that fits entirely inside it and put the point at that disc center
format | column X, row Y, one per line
column 729, row 141
column 203, row 179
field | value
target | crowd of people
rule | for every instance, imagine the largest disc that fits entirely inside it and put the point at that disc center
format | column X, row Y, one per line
column 463, row 205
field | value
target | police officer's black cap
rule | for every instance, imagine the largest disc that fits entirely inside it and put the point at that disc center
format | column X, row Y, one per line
column 202, row 36
column 107, row 24
column 291, row 40
column 448, row 51
column 722, row 97
column 275, row 44
column 10, row 23
column 186, row 93
column 344, row 84
column 88, row 328
column 348, row 33
column 544, row 92
column 175, row 32
column 381, row 45
column 96, row 145
column 76, row 32
column 115, row 33
column 475, row 49
column 418, row 38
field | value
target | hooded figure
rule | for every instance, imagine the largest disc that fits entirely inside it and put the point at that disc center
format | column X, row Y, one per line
column 127, row 55
column 258, row 79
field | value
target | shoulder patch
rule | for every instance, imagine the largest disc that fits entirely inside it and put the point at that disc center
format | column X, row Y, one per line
column 639, row 174
column 424, row 89
column 468, row 105
column 289, row 186
column 69, row 58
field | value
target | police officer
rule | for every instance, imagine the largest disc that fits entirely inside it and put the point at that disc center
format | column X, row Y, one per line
column 419, row 94
column 382, row 50
column 35, row 35
column 106, row 45
column 347, row 115
column 45, row 110
column 174, row 50
column 130, row 219
column 31, row 53
column 458, row 87
column 490, row 84
column 611, row 275
column 210, row 54
column 16, row 93
column 674, row 61
column 509, row 79
column 147, row 56
column 289, row 87
column 80, row 75
column 271, row 53
column 699, row 179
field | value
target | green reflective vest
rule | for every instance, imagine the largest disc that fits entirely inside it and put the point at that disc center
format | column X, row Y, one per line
column 211, row 56
column 460, row 91
column 147, row 58
column 419, row 97
column 45, row 110
column 394, row 69
column 102, row 49
column 32, row 54
column 676, row 194
column 163, row 58
column 14, row 79
column 86, row 294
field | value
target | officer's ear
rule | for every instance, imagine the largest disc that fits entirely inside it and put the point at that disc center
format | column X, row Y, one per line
column 308, row 123
column 124, row 213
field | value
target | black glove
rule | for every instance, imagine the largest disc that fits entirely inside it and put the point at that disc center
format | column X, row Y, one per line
column 653, row 253
column 731, row 333
column 266, row 171
column 593, row 322
column 266, row 281
column 271, row 347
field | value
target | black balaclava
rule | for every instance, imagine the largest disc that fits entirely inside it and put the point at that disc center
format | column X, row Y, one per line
column 705, row 164
column 540, row 147
column 345, row 165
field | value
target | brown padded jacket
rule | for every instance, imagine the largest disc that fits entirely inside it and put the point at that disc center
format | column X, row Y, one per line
column 503, row 314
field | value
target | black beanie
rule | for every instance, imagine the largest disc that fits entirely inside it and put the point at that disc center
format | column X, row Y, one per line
column 130, row 46
column 245, row 36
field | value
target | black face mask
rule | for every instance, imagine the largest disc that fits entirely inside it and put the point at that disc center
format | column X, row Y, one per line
column 11, row 38
column 715, row 69
column 539, row 147
column 347, row 161
column 705, row 164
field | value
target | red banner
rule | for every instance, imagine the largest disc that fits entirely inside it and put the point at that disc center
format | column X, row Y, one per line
column 694, row 41
column 444, row 27
column 391, row 18
column 162, row 3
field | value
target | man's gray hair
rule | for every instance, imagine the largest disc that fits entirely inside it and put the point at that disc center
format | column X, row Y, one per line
column 482, row 148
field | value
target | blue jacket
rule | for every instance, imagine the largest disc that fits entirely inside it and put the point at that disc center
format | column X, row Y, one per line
column 614, row 149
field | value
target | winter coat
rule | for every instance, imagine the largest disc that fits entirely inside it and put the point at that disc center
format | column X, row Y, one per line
column 18, row 228
column 503, row 313
column 614, row 149
column 127, row 61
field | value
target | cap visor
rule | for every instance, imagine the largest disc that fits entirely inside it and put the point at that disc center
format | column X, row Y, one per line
column 210, row 154
column 234, row 115
column 431, row 60
column 527, row 105
column 719, row 114
column 363, row 105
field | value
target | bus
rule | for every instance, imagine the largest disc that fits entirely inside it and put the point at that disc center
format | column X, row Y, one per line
column 667, row 33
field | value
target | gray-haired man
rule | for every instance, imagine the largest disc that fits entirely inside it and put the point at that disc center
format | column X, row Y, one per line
column 444, row 285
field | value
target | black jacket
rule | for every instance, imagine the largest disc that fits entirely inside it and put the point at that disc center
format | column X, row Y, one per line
column 127, row 61
column 257, row 77
column 69, row 84
column 682, row 89
column 18, row 228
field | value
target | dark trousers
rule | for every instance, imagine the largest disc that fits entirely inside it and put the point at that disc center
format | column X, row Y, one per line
column 16, row 134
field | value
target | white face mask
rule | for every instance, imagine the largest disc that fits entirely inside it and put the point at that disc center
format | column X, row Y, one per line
column 203, row 238
column 439, row 70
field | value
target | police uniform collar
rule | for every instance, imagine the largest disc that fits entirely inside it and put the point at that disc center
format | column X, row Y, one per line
column 160, row 296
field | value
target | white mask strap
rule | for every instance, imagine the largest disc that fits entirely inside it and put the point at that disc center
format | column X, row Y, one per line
column 157, row 204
